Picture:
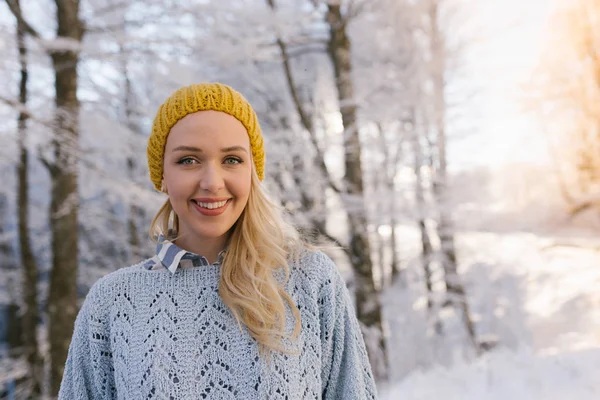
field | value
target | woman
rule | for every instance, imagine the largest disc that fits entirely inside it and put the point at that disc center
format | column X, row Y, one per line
column 233, row 305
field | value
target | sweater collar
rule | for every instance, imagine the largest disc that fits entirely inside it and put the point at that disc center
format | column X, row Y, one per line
column 170, row 255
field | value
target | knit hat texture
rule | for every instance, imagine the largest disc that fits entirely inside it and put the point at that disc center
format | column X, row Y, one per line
column 202, row 97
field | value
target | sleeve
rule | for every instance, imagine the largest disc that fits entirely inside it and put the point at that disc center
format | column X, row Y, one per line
column 346, row 373
column 88, row 370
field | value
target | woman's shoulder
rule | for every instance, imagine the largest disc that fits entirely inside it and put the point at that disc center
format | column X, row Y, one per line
column 115, row 278
column 314, row 267
column 309, row 258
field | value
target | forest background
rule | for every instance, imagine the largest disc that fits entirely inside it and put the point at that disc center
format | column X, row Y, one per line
column 449, row 148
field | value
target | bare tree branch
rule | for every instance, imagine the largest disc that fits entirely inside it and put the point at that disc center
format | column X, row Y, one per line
column 45, row 162
column 585, row 203
column 24, row 110
column 304, row 117
column 15, row 9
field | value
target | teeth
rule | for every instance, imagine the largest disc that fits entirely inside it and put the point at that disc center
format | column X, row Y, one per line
column 211, row 206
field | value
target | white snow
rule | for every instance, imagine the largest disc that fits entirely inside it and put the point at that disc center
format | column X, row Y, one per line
column 507, row 375
column 537, row 294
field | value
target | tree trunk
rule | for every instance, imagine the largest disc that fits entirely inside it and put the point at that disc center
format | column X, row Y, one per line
column 368, row 304
column 426, row 246
column 395, row 261
column 11, row 310
column 135, row 250
column 29, row 282
column 382, row 179
column 135, row 212
column 380, row 247
column 309, row 201
column 62, row 300
column 454, row 287
column 8, row 259
column 392, row 167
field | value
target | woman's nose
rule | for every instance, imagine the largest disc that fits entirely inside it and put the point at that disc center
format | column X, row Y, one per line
column 211, row 179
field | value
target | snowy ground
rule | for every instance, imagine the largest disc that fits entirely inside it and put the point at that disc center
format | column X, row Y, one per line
column 508, row 375
column 539, row 295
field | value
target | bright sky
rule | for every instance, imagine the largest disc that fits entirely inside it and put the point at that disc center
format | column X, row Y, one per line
column 512, row 32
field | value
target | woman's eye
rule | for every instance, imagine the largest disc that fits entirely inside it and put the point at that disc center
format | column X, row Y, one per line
column 232, row 160
column 186, row 161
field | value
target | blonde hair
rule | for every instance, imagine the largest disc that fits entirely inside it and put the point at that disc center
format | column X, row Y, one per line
column 255, row 267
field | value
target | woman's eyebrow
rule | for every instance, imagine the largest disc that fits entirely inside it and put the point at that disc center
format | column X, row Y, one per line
column 187, row 148
column 233, row 148
column 199, row 150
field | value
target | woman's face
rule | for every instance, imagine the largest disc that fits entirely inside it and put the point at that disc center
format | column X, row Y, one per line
column 207, row 174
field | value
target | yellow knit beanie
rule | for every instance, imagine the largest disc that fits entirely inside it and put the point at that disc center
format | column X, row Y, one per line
column 202, row 97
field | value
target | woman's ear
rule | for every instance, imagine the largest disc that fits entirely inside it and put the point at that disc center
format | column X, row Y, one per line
column 163, row 187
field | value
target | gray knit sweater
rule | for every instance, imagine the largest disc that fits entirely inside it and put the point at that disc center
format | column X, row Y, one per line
column 152, row 334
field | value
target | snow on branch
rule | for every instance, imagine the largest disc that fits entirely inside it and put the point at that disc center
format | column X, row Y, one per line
column 589, row 201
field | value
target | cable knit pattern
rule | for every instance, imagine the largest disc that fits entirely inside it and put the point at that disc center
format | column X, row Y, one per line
column 149, row 334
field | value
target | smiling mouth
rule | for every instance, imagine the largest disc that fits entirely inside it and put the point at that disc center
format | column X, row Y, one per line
column 211, row 205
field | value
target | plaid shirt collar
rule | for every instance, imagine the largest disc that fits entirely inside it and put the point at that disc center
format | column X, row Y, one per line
column 172, row 256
